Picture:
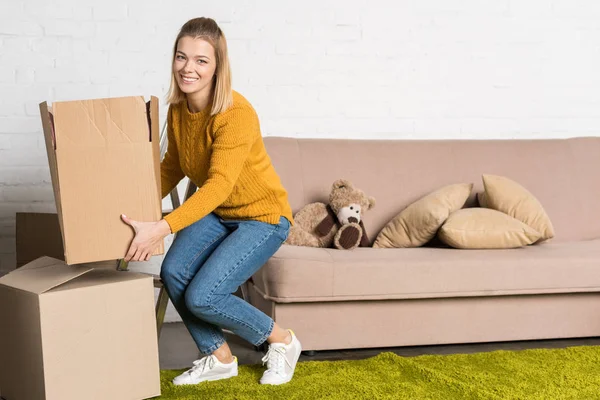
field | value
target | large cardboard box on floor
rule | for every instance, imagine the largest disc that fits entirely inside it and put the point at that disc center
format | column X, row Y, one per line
column 75, row 332
column 104, row 158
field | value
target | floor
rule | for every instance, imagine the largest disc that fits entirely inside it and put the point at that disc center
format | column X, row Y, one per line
column 177, row 349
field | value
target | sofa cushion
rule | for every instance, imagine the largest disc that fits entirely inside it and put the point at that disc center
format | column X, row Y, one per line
column 418, row 223
column 562, row 173
column 305, row 274
column 504, row 194
column 482, row 228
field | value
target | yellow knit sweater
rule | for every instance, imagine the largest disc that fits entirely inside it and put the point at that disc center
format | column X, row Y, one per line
column 224, row 155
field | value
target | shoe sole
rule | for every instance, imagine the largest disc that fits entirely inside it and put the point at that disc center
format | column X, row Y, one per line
column 210, row 379
column 278, row 383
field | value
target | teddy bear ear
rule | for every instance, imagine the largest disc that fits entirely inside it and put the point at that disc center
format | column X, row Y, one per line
column 342, row 183
column 371, row 202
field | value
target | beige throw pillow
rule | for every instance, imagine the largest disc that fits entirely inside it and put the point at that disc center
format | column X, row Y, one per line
column 482, row 228
column 506, row 195
column 418, row 223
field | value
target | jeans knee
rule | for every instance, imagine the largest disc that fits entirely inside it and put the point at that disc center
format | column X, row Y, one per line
column 199, row 305
column 170, row 273
column 203, row 306
column 165, row 273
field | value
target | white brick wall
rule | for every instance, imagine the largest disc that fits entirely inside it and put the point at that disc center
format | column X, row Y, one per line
column 317, row 68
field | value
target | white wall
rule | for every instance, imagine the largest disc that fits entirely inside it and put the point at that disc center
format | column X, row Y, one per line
column 319, row 68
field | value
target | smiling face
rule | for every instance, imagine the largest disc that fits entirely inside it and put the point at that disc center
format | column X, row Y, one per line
column 194, row 66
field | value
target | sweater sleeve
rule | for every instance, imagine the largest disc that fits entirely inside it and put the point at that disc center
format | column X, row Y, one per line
column 235, row 132
column 170, row 169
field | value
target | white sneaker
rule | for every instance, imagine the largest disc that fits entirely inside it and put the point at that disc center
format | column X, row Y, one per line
column 281, row 361
column 208, row 368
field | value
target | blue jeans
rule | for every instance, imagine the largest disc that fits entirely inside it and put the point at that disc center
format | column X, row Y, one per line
column 204, row 267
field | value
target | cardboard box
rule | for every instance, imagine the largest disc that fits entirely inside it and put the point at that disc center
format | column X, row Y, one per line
column 38, row 235
column 104, row 158
column 74, row 332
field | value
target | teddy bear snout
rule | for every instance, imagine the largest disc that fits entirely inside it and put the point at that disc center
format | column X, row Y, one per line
column 348, row 214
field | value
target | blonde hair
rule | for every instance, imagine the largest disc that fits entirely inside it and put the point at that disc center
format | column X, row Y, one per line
column 207, row 29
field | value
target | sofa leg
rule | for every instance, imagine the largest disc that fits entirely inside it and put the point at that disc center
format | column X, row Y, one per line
column 309, row 353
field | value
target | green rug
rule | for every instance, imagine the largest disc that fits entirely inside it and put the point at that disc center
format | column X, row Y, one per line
column 545, row 374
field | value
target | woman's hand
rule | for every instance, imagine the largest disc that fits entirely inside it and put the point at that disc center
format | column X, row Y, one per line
column 148, row 236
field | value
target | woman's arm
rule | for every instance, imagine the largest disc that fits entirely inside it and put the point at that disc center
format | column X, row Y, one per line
column 235, row 133
column 170, row 168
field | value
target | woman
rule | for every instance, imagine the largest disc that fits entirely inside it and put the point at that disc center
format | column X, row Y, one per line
column 232, row 225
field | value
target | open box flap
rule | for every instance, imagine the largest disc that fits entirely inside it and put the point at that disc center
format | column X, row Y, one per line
column 101, row 122
column 52, row 162
column 42, row 275
column 155, row 137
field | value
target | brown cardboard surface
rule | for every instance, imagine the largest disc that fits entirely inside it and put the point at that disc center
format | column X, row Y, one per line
column 20, row 345
column 42, row 275
column 155, row 138
column 42, row 262
column 50, row 151
column 38, row 235
column 96, row 332
column 94, row 335
column 92, row 208
column 100, row 122
column 101, row 277
column 106, row 163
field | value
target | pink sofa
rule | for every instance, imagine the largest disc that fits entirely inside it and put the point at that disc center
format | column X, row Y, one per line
column 336, row 299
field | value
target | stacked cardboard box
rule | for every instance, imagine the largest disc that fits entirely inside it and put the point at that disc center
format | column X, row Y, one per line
column 104, row 158
column 75, row 332
column 70, row 328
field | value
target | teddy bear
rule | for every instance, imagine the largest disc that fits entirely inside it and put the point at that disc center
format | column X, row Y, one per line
column 339, row 223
